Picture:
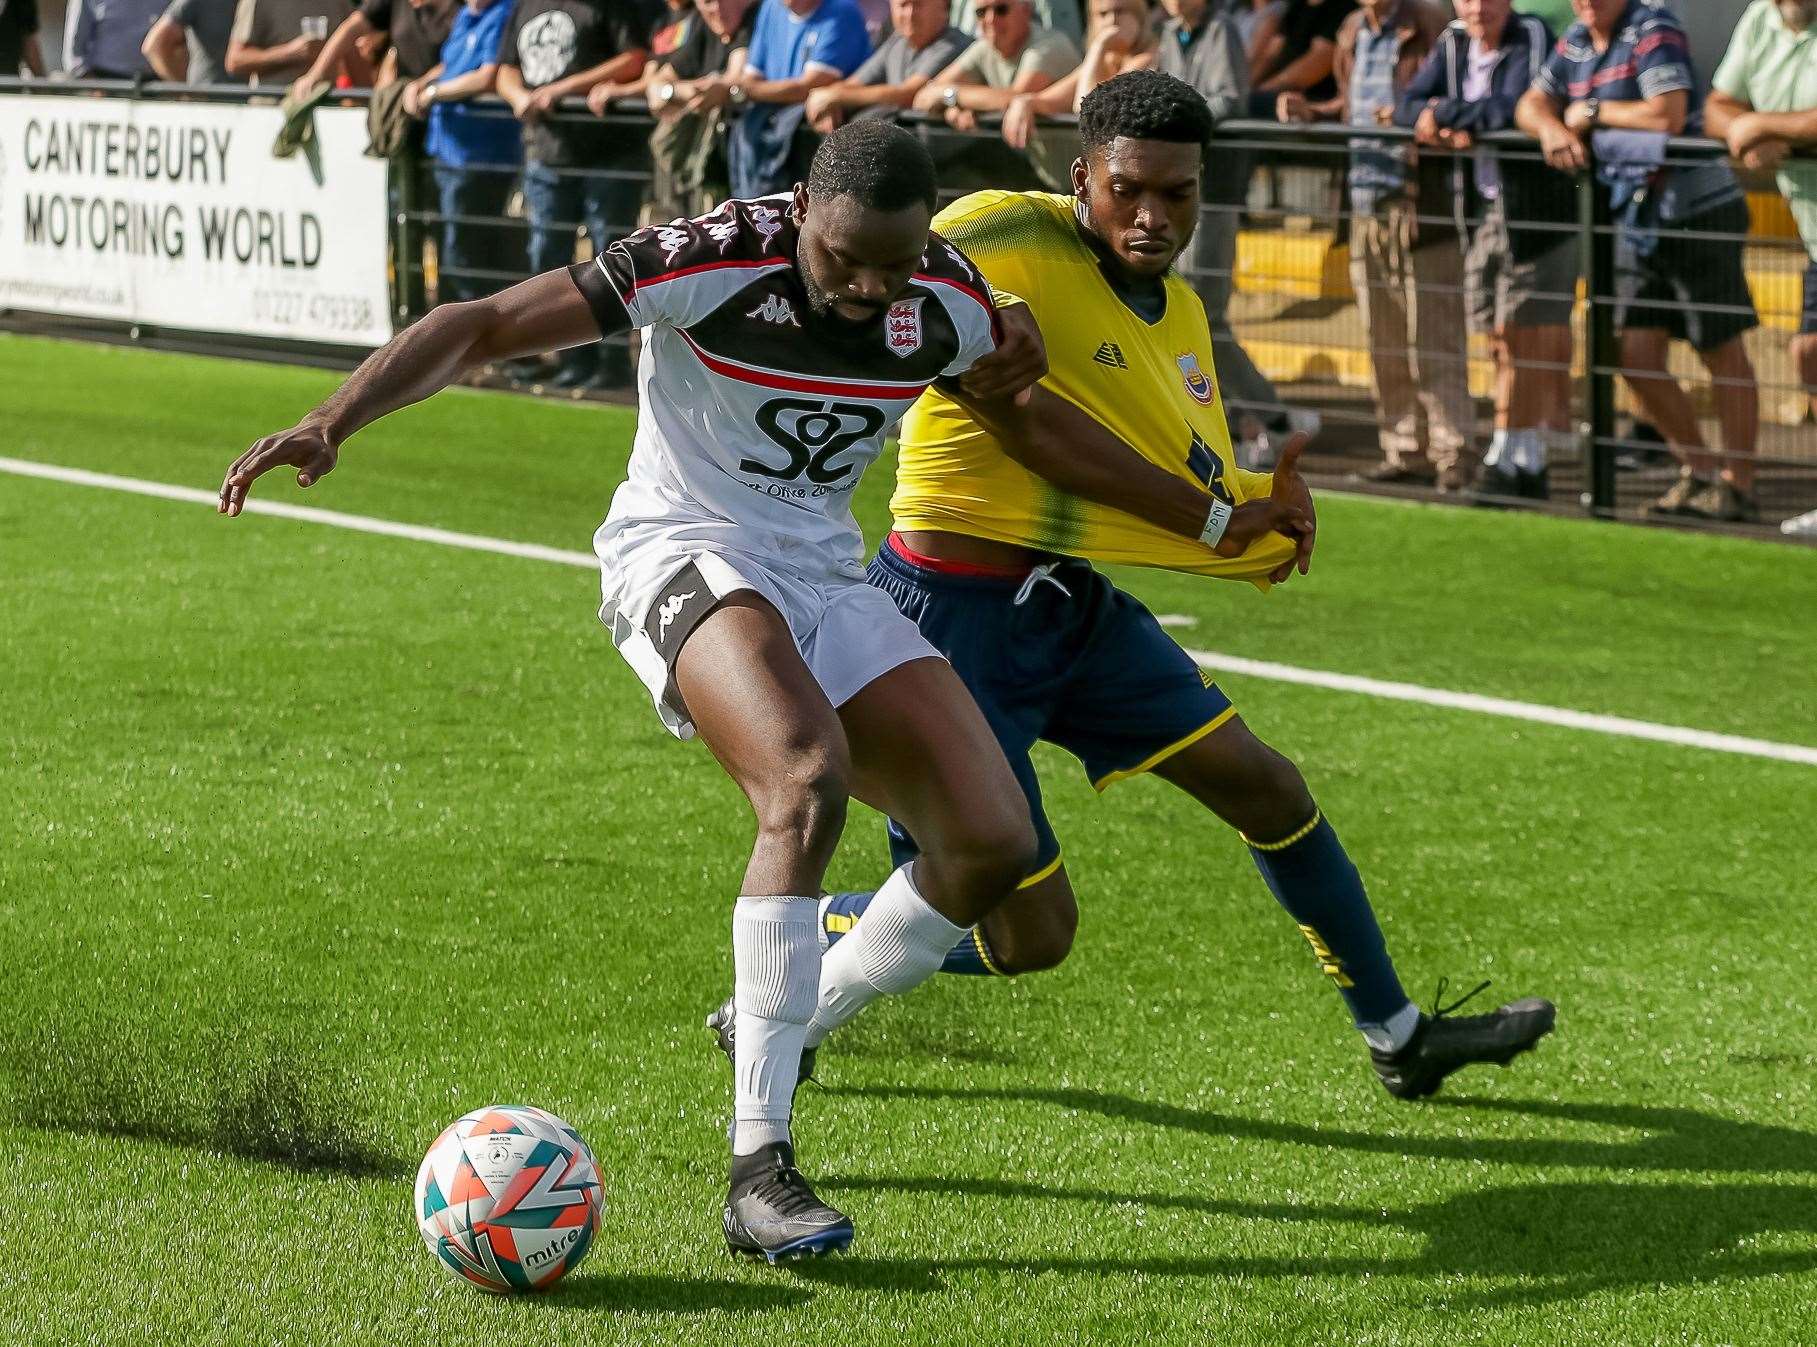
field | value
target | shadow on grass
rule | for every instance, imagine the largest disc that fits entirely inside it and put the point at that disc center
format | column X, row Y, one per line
column 1674, row 1140
column 236, row 1090
column 1562, row 1241
column 674, row 1295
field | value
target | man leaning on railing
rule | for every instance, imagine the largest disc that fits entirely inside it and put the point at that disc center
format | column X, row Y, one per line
column 1521, row 283
column 1763, row 103
column 104, row 38
column 188, row 44
column 921, row 45
column 1626, row 78
column 797, row 46
column 1406, row 262
column 689, row 95
column 1202, row 45
column 556, row 49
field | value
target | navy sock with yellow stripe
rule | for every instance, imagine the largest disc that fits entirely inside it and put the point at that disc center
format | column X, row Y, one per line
column 839, row 912
column 1312, row 876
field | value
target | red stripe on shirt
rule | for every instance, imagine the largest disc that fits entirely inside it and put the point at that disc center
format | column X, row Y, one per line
column 799, row 383
column 707, row 266
column 944, row 567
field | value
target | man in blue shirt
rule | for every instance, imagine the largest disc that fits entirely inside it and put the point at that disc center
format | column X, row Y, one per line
column 476, row 152
column 798, row 46
column 105, row 36
column 1406, row 265
column 1678, row 270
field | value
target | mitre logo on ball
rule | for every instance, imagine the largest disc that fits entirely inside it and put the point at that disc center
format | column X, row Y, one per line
column 902, row 326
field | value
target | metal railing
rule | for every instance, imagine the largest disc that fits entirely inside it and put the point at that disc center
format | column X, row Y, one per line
column 1306, row 293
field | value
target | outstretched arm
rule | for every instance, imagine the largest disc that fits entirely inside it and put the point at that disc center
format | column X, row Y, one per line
column 1062, row 443
column 545, row 313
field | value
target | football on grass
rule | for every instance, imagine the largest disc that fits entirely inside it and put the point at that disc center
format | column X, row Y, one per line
column 508, row 1198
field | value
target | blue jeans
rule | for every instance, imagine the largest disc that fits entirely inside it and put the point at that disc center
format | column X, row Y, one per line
column 558, row 200
column 469, row 246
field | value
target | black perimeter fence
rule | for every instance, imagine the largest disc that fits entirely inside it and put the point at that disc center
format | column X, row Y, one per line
column 1362, row 318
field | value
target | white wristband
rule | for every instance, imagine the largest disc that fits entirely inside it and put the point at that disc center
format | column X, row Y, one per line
column 1215, row 523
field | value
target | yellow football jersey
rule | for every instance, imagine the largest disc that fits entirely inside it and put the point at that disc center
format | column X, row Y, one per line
column 1152, row 384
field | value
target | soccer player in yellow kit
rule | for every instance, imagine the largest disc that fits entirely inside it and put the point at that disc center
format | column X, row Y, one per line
column 994, row 565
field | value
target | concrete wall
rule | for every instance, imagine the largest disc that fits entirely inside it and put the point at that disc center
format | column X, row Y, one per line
column 1709, row 23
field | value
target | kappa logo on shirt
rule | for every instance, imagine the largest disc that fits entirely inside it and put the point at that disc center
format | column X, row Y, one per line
column 775, row 309
column 766, row 220
column 671, row 240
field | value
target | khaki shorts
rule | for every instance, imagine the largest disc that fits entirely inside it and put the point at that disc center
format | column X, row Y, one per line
column 1503, row 293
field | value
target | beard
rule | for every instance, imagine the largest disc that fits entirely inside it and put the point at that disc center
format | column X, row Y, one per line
column 820, row 304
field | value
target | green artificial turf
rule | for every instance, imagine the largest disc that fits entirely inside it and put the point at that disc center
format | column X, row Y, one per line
column 312, row 840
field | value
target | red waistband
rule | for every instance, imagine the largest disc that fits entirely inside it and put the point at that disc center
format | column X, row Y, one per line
column 941, row 566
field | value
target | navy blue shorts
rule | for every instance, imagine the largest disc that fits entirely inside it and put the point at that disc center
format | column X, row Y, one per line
column 1807, row 325
column 1077, row 662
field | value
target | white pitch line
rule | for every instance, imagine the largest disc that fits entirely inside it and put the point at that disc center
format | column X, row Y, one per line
column 1501, row 706
column 359, row 523
column 1562, row 717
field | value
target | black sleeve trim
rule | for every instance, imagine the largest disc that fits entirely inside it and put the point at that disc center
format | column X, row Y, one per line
column 602, row 297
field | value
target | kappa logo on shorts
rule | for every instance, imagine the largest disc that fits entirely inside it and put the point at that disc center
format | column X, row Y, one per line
column 671, row 608
column 677, row 610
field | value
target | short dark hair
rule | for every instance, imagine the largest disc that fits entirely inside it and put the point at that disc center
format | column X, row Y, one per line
column 882, row 166
column 1144, row 105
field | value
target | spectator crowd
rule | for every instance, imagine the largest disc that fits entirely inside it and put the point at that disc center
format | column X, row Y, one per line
column 1445, row 235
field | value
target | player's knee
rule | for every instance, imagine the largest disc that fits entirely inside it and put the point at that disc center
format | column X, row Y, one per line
column 802, row 805
column 993, row 852
column 1036, row 941
column 1276, row 798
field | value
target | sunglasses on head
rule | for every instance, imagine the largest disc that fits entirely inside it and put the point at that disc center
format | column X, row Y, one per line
column 991, row 11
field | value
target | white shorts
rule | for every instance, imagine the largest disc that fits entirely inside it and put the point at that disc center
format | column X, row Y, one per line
column 658, row 581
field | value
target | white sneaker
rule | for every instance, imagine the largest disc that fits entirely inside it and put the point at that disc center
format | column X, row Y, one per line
column 1804, row 526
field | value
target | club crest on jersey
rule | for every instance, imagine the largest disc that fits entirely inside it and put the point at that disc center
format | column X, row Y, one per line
column 1196, row 381
column 902, row 326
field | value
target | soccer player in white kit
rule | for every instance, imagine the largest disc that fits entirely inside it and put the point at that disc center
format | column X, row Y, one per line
column 784, row 338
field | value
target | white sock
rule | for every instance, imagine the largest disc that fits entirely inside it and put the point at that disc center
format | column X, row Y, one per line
column 1393, row 1033
column 1498, row 447
column 776, row 979
column 897, row 944
column 1527, row 449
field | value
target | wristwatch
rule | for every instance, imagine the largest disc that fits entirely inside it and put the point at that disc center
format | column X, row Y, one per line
column 738, row 96
column 950, row 96
column 1593, row 110
column 665, row 93
column 429, row 93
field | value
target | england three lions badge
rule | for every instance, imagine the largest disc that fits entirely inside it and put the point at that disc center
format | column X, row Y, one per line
column 902, row 326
